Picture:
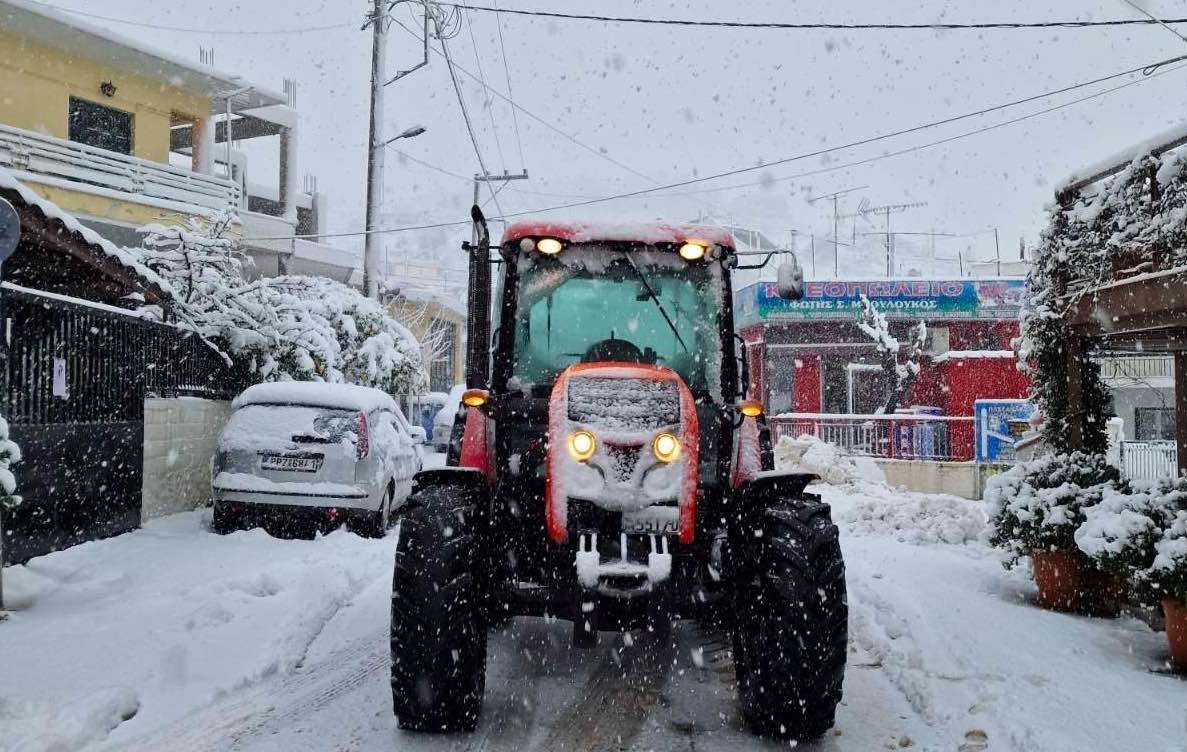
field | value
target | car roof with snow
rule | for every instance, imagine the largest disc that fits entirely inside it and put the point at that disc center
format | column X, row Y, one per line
column 317, row 394
column 654, row 233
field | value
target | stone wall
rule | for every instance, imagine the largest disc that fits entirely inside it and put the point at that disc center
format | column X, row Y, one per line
column 179, row 439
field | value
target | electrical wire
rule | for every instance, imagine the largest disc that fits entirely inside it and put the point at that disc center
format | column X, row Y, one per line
column 542, row 121
column 632, row 194
column 808, row 26
column 510, row 91
column 831, row 168
column 482, row 78
column 430, row 165
column 1155, row 19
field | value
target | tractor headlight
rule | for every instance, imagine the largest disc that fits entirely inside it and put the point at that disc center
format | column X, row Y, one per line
column 549, row 246
column 582, row 445
column 665, row 447
column 693, row 251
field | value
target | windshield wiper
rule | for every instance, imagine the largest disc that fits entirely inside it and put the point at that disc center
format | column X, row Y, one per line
column 651, row 293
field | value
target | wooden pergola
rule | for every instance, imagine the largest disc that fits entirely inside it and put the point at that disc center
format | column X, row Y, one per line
column 1142, row 309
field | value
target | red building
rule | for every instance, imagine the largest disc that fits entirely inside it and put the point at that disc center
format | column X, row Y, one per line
column 809, row 356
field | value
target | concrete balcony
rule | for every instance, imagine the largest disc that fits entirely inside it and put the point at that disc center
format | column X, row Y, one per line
column 66, row 165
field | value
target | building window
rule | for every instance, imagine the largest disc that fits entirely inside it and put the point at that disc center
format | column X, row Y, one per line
column 780, row 381
column 1154, row 423
column 443, row 339
column 102, row 127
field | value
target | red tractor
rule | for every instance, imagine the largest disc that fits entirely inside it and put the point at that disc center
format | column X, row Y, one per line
column 610, row 471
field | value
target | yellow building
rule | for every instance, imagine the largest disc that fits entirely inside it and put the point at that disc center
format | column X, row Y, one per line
column 438, row 322
column 120, row 135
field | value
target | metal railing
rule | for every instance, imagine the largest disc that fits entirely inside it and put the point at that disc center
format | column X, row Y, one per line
column 1149, row 460
column 60, row 162
column 908, row 437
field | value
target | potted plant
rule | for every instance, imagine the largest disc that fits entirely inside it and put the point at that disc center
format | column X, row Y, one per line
column 1120, row 533
column 1167, row 578
column 1034, row 510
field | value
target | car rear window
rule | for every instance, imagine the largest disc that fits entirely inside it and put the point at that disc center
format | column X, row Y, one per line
column 255, row 426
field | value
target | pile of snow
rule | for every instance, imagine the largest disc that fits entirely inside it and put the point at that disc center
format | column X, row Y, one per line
column 808, row 454
column 912, row 517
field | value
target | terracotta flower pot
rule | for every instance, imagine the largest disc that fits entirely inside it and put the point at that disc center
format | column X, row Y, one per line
column 1058, row 575
column 1101, row 594
column 1176, row 632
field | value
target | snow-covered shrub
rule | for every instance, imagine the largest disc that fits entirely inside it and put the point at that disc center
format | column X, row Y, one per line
column 899, row 376
column 1167, row 575
column 10, row 453
column 1039, row 505
column 282, row 328
column 808, row 454
column 1120, row 533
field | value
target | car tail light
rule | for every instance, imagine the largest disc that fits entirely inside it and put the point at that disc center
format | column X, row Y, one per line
column 364, row 435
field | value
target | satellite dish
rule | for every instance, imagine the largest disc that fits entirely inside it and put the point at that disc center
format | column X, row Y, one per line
column 10, row 230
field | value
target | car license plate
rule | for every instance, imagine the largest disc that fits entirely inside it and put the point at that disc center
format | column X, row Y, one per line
column 282, row 462
column 652, row 520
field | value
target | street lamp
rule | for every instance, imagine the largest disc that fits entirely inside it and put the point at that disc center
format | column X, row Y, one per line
column 412, row 132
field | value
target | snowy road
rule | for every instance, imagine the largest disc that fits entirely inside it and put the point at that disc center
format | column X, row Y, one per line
column 173, row 638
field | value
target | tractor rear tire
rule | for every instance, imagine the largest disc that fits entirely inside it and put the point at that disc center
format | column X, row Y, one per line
column 438, row 629
column 791, row 620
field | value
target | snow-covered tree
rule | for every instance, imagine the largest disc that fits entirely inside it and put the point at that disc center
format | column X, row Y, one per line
column 899, row 376
column 282, row 328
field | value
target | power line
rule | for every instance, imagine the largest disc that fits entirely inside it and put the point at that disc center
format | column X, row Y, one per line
column 833, row 168
column 542, row 121
column 510, row 92
column 1156, row 20
column 482, row 77
column 808, row 26
column 193, row 30
column 429, row 165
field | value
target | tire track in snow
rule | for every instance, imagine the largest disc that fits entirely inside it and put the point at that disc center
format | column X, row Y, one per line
column 617, row 699
column 271, row 705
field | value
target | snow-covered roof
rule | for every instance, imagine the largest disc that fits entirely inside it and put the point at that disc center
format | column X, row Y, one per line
column 1102, row 168
column 423, row 295
column 53, row 211
column 617, row 232
column 60, row 29
column 316, row 394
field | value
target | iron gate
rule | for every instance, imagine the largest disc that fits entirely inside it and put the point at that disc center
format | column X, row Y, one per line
column 75, row 379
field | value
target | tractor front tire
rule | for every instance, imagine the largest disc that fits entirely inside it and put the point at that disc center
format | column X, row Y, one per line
column 438, row 629
column 790, row 619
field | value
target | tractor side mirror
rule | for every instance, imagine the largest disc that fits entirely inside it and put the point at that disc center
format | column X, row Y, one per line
column 789, row 280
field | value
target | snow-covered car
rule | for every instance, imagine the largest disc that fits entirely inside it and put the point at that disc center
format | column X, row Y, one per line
column 443, row 422
column 326, row 453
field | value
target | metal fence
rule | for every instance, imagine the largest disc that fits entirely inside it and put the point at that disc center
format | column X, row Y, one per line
column 75, row 377
column 1149, row 460
column 909, row 437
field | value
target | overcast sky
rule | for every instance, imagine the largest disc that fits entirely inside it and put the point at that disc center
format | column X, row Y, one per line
column 676, row 102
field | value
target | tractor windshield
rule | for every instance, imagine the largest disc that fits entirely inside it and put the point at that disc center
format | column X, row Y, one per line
column 609, row 304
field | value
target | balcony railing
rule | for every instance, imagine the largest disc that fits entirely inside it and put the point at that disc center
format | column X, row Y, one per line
column 66, row 164
column 1136, row 368
column 905, row 437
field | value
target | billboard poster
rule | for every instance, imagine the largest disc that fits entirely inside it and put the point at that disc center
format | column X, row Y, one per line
column 972, row 299
column 999, row 424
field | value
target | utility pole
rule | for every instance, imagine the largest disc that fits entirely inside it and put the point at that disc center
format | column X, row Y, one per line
column 813, row 255
column 997, row 250
column 375, row 151
column 490, row 178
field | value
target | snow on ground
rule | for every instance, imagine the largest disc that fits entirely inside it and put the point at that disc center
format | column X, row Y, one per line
column 171, row 637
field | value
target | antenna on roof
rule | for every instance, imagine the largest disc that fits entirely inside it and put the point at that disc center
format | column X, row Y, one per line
column 290, row 91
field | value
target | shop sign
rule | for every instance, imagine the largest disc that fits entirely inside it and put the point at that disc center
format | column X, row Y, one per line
column 896, row 299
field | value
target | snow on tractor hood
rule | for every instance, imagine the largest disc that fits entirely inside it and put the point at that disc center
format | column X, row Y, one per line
column 653, row 233
column 624, row 408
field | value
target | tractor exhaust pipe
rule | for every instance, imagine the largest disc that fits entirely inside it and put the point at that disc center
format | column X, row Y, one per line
column 478, row 305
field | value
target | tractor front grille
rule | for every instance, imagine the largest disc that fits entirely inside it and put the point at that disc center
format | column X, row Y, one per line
column 633, row 405
column 623, row 461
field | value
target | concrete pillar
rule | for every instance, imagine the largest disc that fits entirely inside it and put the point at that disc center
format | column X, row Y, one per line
column 202, row 145
column 1181, row 410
